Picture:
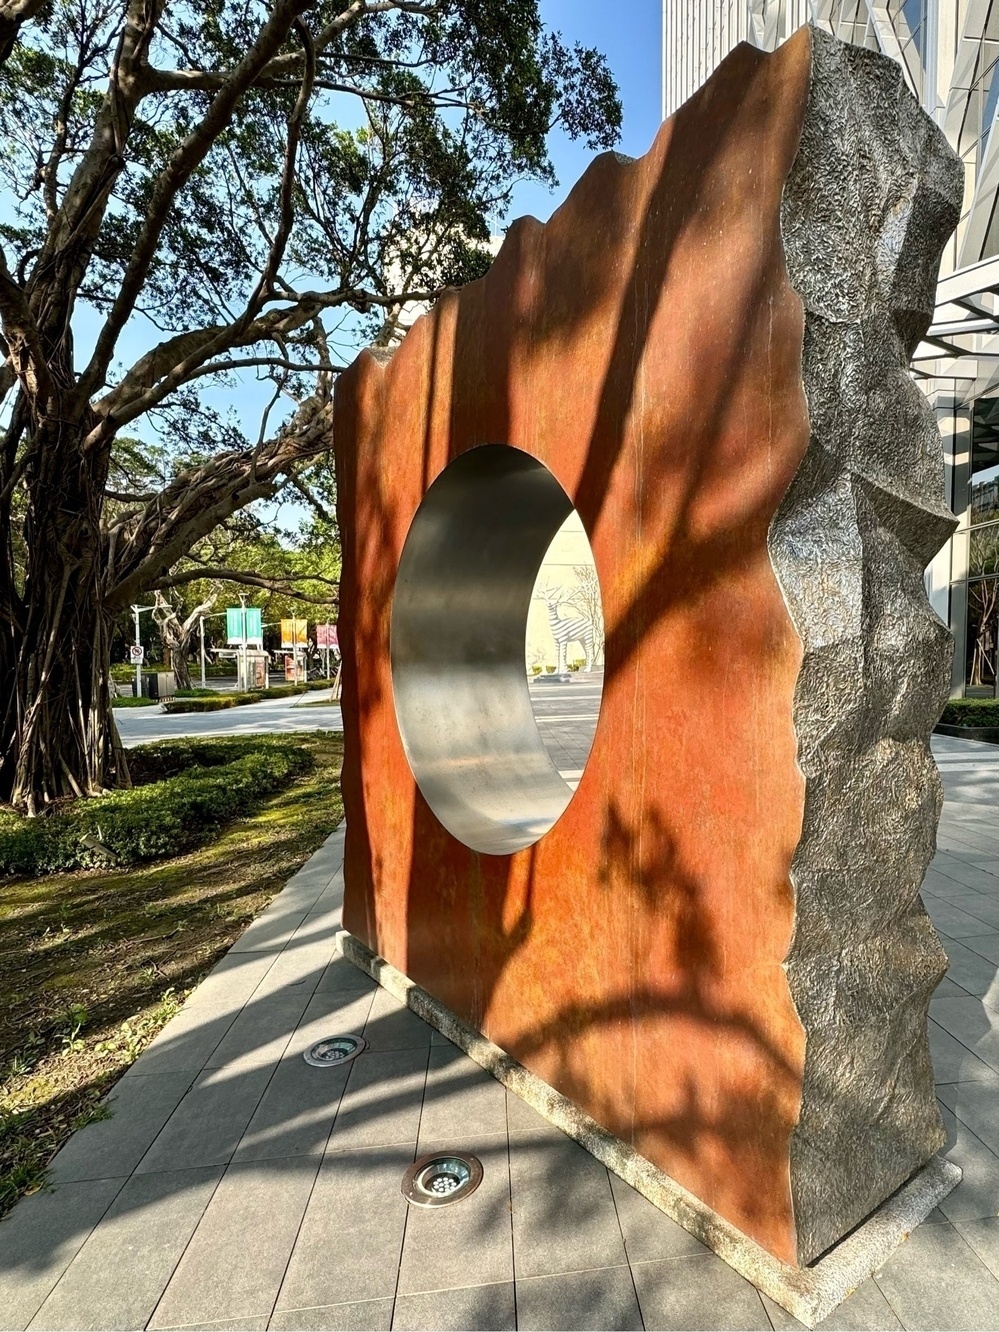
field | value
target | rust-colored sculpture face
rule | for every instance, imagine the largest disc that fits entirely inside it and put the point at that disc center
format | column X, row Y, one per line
column 645, row 347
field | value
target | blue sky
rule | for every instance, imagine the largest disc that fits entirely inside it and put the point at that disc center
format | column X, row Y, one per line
column 629, row 33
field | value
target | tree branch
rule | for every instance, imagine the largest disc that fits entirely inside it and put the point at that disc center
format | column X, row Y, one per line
column 200, row 80
column 282, row 585
column 13, row 15
column 200, row 499
column 181, row 166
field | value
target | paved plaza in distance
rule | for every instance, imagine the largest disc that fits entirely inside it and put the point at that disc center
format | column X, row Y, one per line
column 237, row 1187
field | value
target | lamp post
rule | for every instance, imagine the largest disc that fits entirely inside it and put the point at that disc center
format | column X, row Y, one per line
column 218, row 615
column 137, row 611
column 242, row 683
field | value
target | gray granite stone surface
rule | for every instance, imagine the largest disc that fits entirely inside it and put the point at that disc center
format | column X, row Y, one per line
column 872, row 197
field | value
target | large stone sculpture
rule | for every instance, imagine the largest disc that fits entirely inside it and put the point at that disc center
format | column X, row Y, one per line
column 713, row 968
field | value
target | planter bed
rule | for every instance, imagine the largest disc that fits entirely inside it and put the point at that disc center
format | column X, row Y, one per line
column 990, row 734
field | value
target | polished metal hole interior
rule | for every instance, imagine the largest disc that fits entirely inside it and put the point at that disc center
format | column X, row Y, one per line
column 435, row 1181
column 459, row 618
column 333, row 1051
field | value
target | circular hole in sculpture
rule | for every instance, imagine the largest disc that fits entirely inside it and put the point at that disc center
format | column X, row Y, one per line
column 497, row 642
column 435, row 1181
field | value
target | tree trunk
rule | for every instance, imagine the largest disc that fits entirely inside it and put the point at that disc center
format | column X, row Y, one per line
column 58, row 738
column 180, row 662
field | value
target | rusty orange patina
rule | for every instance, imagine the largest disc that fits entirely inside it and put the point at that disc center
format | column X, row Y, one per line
column 645, row 345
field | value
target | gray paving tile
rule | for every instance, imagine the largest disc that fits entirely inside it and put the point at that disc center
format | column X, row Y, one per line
column 460, row 1097
column 295, row 968
column 974, row 1025
column 939, row 885
column 332, row 1013
column 343, row 975
column 295, row 1113
column 231, row 982
column 39, row 1240
column 207, row 1125
column 952, row 921
column 117, row 1278
column 866, row 1310
column 475, row 1309
column 297, row 1110
column 984, row 906
column 936, row 1281
column 578, row 1300
column 978, row 1191
column 363, row 1316
column 139, row 1106
column 235, row 1262
column 564, row 1217
column 977, row 1105
column 222, row 1324
column 521, row 1118
column 186, row 1042
column 270, row 933
column 259, row 1035
column 949, row 989
column 393, row 1026
column 697, row 1293
column 953, row 1061
column 382, row 1101
column 353, row 1228
column 973, row 973
column 648, row 1232
column 986, row 945
column 983, row 1236
column 469, row 1243
column 967, row 874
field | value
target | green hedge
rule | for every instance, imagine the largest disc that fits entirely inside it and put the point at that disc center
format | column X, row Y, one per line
column 210, row 783
column 971, row 712
column 198, row 700
column 214, row 704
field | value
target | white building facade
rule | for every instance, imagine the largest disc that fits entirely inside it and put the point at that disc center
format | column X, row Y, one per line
column 949, row 50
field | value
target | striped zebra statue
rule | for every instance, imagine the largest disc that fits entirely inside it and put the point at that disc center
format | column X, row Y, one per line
column 573, row 629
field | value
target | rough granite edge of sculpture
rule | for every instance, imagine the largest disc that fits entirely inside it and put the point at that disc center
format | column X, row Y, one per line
column 863, row 517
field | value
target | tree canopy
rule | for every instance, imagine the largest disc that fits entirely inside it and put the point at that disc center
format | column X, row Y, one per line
column 196, row 196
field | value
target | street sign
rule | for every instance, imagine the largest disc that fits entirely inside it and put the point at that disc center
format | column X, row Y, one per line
column 136, row 654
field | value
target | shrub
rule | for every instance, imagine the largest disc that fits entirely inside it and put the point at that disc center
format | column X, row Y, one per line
column 213, row 704
column 211, row 784
column 207, row 700
column 971, row 712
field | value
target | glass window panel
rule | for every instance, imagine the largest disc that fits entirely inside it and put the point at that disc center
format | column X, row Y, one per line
column 914, row 11
column 984, row 460
column 983, row 628
column 983, row 556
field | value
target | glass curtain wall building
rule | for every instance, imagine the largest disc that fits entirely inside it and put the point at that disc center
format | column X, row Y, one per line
column 949, row 51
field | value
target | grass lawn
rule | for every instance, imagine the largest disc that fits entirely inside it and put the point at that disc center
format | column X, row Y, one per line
column 96, row 961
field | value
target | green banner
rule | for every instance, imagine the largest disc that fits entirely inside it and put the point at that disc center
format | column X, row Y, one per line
column 234, row 623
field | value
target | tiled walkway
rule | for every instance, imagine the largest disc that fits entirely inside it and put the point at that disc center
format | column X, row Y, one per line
column 237, row 1187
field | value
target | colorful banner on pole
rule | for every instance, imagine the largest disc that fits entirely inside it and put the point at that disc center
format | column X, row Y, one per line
column 252, row 626
column 294, row 633
column 326, row 636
